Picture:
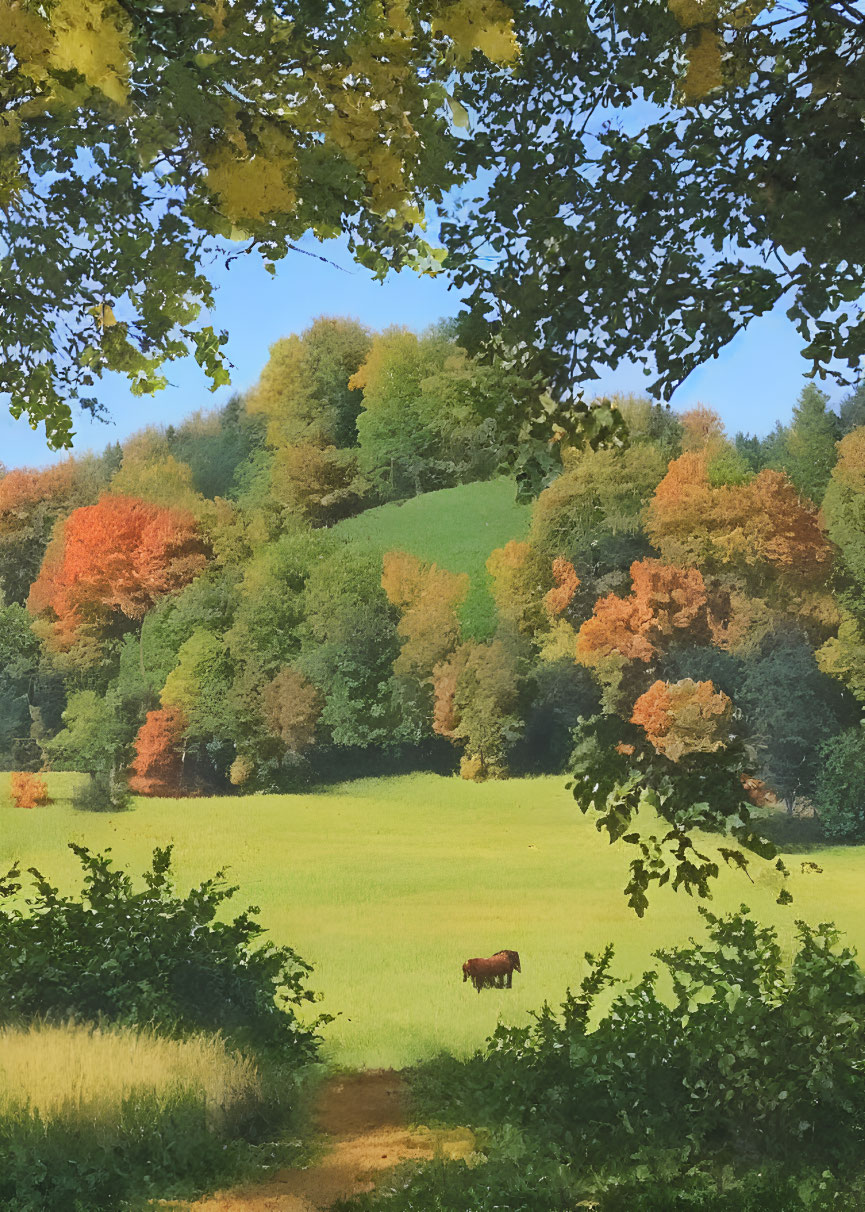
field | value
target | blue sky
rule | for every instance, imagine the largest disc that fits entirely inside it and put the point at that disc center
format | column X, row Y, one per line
column 752, row 384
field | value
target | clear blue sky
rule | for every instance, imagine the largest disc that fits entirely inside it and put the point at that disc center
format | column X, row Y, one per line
column 754, row 383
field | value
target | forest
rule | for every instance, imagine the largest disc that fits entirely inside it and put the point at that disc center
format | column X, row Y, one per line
column 184, row 614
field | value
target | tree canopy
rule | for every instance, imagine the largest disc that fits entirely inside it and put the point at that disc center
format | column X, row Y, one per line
column 657, row 173
column 136, row 138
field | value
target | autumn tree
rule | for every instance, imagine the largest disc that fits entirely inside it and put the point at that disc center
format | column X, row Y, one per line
column 157, row 768
column 30, row 504
column 292, row 707
column 758, row 531
column 684, row 717
column 625, row 636
column 477, row 705
column 165, row 131
column 428, row 599
column 702, row 429
column 110, row 562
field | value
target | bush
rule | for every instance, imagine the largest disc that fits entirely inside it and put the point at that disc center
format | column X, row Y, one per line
column 839, row 795
column 748, row 1068
column 104, row 791
column 28, row 790
column 149, row 956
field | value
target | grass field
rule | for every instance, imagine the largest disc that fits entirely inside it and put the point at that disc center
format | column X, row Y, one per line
column 388, row 885
column 456, row 528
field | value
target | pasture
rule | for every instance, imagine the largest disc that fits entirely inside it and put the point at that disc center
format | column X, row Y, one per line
column 456, row 528
column 388, row 885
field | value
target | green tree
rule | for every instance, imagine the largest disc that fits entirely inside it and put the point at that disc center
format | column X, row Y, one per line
column 852, row 408
column 721, row 188
column 839, row 792
column 19, row 665
column 811, row 443
column 349, row 645
column 95, row 737
column 791, row 709
column 844, row 504
column 162, row 131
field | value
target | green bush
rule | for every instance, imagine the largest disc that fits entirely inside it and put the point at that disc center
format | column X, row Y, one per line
column 750, row 1066
column 535, row 1182
column 839, row 795
column 149, row 956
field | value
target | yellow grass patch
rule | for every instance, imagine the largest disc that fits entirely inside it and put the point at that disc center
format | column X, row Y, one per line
column 86, row 1074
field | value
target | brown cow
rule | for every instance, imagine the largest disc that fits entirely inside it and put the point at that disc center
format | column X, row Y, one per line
column 492, row 970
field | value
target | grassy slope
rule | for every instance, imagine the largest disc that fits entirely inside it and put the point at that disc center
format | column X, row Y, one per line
column 388, row 885
column 457, row 528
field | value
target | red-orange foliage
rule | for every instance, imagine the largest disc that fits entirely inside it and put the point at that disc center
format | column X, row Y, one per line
column 755, row 528
column 112, row 561
column 567, row 583
column 28, row 790
column 157, row 768
column 684, row 717
column 665, row 601
column 24, row 487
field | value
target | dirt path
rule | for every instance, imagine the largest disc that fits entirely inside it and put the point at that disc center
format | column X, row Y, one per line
column 363, row 1119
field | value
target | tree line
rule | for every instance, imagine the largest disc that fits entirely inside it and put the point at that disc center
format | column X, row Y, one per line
column 686, row 608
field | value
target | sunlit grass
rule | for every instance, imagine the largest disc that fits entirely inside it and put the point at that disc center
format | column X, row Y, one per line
column 86, row 1076
column 457, row 528
column 387, row 885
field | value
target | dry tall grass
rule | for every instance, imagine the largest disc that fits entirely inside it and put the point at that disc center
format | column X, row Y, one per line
column 84, row 1075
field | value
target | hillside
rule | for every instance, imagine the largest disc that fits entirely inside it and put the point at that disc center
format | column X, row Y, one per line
column 457, row 528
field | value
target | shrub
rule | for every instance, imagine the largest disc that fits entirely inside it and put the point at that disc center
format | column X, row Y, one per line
column 103, row 791
column 839, row 795
column 748, row 1067
column 149, row 956
column 28, row 790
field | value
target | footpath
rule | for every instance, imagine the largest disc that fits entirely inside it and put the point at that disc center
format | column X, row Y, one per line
column 362, row 1119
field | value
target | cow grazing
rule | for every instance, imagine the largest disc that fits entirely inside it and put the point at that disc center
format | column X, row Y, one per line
column 492, row 971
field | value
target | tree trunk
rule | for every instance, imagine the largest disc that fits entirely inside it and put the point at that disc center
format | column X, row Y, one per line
column 790, row 801
column 141, row 651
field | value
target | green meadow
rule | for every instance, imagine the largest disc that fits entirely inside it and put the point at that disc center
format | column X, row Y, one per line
column 387, row 885
column 456, row 528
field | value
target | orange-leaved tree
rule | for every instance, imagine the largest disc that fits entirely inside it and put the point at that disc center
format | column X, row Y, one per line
column 625, row 635
column 760, row 531
column 110, row 562
column 157, row 768
column 684, row 717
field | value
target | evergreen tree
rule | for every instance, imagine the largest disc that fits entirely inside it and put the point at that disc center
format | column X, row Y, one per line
column 810, row 446
column 852, row 408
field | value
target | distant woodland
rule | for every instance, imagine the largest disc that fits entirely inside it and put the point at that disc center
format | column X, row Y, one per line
column 185, row 614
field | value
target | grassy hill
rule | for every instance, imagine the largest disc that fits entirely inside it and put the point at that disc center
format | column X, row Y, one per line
column 387, row 885
column 456, row 528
